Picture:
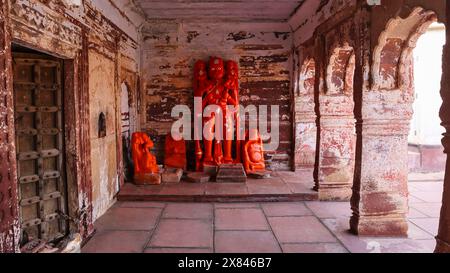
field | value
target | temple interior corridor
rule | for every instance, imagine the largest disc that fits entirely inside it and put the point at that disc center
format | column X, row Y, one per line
column 224, row 126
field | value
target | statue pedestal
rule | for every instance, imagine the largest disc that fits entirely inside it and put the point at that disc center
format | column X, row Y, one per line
column 172, row 175
column 210, row 170
column 147, row 179
column 231, row 173
column 198, row 177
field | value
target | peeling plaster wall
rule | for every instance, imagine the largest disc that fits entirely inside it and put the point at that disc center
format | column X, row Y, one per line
column 103, row 150
column 170, row 50
column 112, row 59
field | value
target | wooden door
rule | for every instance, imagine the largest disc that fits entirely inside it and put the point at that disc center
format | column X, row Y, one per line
column 39, row 129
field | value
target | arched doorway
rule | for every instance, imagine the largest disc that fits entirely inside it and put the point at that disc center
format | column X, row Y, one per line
column 125, row 111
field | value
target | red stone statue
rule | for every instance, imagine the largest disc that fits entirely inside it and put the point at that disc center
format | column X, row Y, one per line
column 253, row 153
column 213, row 93
column 220, row 89
column 175, row 152
column 231, row 123
column 144, row 161
column 199, row 84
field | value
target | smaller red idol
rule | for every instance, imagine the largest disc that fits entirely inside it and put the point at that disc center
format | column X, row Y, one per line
column 175, row 152
column 253, row 153
column 145, row 167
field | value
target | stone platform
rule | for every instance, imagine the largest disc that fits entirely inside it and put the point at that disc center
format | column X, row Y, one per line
column 282, row 186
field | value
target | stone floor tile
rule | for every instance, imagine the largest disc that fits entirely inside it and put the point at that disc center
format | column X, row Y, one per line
column 330, row 209
column 240, row 219
column 414, row 200
column 246, row 242
column 429, row 244
column 431, row 197
column 285, row 209
column 414, row 213
column 110, row 241
column 430, row 225
column 188, row 211
column 183, row 233
column 415, row 232
column 427, row 186
column 129, row 219
column 429, row 209
column 305, row 229
column 314, row 248
column 177, row 250
column 360, row 244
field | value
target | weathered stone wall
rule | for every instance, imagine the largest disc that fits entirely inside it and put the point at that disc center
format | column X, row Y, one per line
column 262, row 50
column 103, row 150
column 9, row 212
column 313, row 14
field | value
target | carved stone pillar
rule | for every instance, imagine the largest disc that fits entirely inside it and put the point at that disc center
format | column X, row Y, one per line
column 305, row 124
column 337, row 147
column 337, row 126
column 305, row 119
column 443, row 237
column 305, row 136
column 380, row 196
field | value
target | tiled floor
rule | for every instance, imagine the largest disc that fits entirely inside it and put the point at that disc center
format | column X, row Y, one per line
column 258, row 227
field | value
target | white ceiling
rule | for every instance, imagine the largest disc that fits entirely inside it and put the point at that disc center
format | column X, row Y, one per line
column 223, row 10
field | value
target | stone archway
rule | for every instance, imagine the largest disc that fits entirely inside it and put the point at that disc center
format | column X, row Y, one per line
column 305, row 117
column 337, row 127
column 380, row 196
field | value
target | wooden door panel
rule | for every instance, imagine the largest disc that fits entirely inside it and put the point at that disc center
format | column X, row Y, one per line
column 40, row 146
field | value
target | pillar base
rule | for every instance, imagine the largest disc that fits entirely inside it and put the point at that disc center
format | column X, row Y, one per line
column 379, row 226
column 334, row 193
column 442, row 246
